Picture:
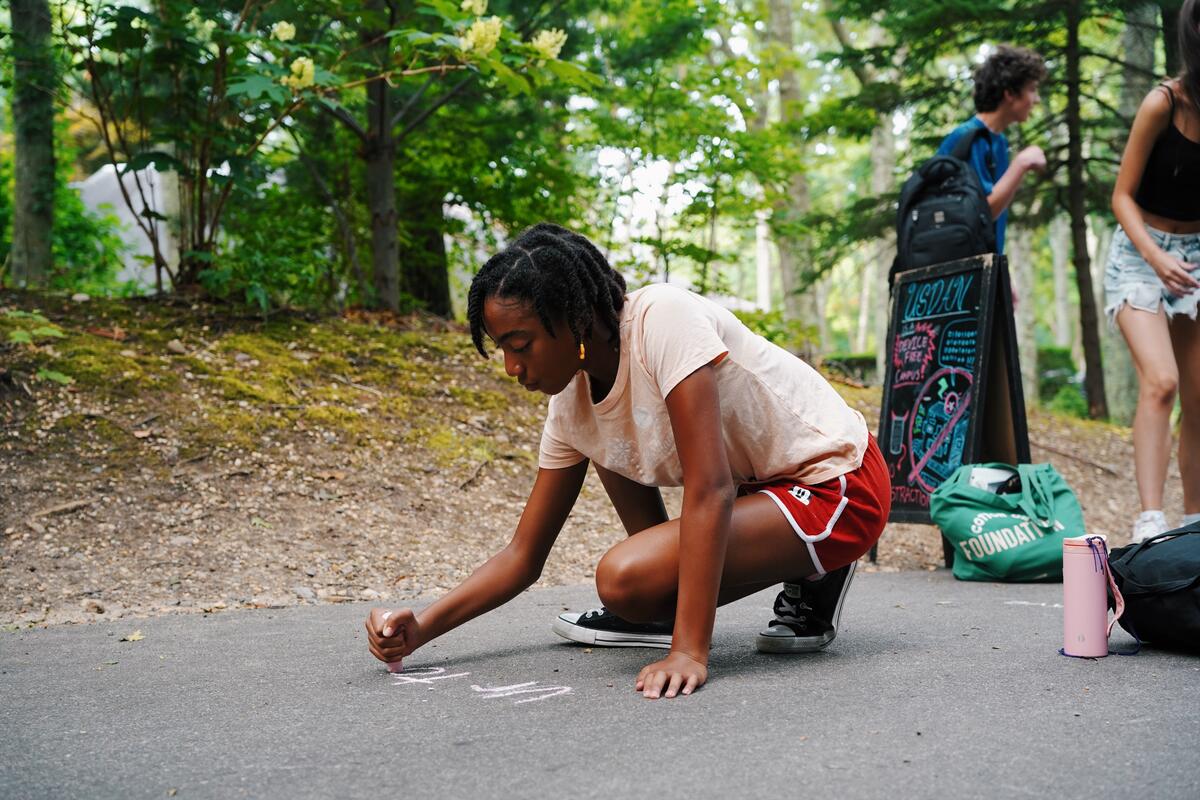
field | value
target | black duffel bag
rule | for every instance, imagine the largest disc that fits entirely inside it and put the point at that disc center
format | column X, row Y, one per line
column 1160, row 580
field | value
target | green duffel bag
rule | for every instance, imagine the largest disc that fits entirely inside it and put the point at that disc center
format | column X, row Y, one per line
column 1013, row 534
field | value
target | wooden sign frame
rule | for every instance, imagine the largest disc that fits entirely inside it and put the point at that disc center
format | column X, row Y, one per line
column 989, row 394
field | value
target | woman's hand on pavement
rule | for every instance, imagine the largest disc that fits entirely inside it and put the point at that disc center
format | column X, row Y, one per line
column 676, row 673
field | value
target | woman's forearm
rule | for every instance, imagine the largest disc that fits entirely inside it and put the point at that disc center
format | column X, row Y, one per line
column 501, row 578
column 704, row 529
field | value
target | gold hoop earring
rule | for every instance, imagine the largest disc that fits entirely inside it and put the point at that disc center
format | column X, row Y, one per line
column 582, row 351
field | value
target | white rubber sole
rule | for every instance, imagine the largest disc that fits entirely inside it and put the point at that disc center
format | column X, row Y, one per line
column 790, row 643
column 578, row 633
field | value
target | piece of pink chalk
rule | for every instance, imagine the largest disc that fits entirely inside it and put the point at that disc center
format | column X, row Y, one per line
column 395, row 666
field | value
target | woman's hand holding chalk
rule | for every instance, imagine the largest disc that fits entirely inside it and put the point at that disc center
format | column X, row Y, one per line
column 398, row 664
column 392, row 634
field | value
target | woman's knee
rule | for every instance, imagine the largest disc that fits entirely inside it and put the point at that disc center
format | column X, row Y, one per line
column 624, row 587
column 1159, row 387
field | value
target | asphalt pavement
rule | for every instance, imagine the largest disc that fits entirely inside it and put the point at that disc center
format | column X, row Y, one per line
column 934, row 688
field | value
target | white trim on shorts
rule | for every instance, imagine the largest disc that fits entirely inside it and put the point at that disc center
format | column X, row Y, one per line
column 808, row 539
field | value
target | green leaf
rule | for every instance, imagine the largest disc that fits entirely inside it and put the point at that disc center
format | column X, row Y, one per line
column 256, row 86
column 20, row 337
column 163, row 162
column 441, row 8
column 512, row 81
column 57, row 377
column 573, row 74
column 412, row 36
column 257, row 295
column 48, row 331
column 33, row 315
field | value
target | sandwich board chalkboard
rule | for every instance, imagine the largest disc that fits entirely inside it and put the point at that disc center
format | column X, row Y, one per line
column 952, row 392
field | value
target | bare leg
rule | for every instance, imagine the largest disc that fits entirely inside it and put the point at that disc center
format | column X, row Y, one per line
column 1149, row 341
column 1185, row 336
column 638, row 578
column 638, row 506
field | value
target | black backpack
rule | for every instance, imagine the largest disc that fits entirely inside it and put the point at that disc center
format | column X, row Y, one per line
column 943, row 213
column 1160, row 581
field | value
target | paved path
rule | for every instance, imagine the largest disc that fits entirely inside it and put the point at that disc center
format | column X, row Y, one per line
column 933, row 689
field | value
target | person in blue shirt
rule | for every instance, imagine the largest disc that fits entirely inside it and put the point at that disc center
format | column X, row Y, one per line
column 1006, row 90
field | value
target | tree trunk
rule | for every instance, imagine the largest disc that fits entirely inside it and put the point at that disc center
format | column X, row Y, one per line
column 883, row 181
column 34, row 82
column 794, row 258
column 866, row 292
column 1120, row 376
column 379, row 150
column 1021, row 263
column 819, row 293
column 1076, row 198
column 1138, row 44
column 1170, row 33
column 1060, row 245
column 425, row 273
column 381, row 204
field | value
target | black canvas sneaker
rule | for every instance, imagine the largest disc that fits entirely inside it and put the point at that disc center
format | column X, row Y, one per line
column 602, row 628
column 807, row 614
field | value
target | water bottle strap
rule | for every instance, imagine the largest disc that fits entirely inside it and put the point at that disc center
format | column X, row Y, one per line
column 1100, row 553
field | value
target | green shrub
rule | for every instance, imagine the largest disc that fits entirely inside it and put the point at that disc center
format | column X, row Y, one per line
column 791, row 335
column 860, row 366
column 1055, row 370
column 277, row 252
column 86, row 246
column 1070, row 402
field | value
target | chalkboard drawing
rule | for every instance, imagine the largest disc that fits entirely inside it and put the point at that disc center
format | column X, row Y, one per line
column 937, row 432
column 424, row 676
column 896, row 434
column 529, row 687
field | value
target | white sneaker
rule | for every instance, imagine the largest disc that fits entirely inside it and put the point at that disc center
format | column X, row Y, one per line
column 1150, row 523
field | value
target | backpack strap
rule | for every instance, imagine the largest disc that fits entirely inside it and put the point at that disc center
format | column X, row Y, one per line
column 962, row 148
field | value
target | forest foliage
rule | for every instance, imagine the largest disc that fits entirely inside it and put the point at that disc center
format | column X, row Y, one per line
column 326, row 155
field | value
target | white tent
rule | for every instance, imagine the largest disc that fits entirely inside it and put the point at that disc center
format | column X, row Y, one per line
column 101, row 193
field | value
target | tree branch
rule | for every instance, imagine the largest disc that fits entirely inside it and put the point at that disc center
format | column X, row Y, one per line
column 441, row 101
column 343, row 116
column 412, row 101
column 839, row 30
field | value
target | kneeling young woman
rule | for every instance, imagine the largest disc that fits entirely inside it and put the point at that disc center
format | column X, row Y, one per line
column 782, row 483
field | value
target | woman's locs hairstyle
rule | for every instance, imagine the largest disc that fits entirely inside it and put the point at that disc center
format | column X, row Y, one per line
column 1189, row 51
column 560, row 274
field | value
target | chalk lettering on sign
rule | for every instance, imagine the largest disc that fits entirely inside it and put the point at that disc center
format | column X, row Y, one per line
column 913, row 352
column 910, row 495
column 529, row 687
column 424, row 676
column 944, row 297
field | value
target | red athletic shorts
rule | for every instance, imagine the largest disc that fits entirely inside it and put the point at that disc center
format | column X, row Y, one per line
column 839, row 519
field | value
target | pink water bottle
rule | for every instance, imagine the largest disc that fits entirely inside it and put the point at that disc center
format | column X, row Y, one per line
column 1085, row 599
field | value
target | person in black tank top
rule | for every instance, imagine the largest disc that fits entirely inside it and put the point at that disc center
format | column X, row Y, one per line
column 1152, row 279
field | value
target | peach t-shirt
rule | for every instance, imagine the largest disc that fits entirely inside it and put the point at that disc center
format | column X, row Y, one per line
column 779, row 417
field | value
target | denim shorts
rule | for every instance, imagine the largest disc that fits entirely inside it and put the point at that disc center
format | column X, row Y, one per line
column 1129, row 279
